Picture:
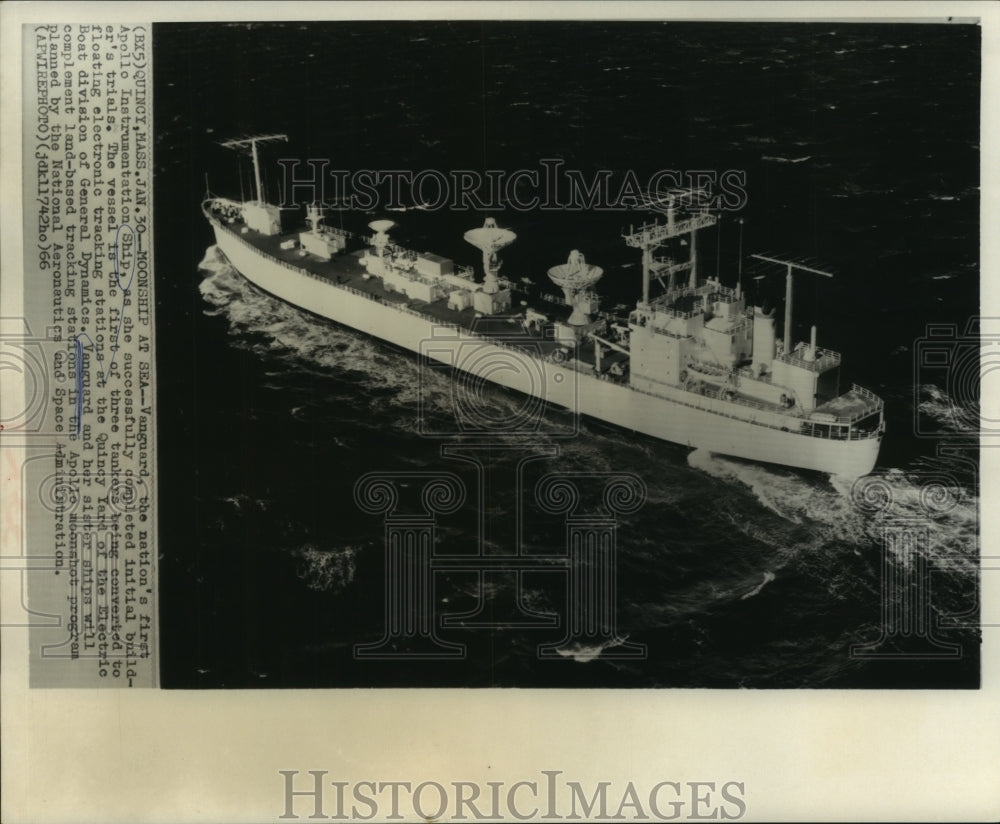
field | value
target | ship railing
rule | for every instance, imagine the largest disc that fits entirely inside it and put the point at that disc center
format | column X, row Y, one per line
column 659, row 330
column 589, row 294
column 367, row 295
column 681, row 313
column 611, row 317
column 815, row 430
column 739, row 327
column 664, row 260
column 751, row 403
column 873, row 403
column 728, row 296
column 559, row 300
column 710, row 287
column 709, row 403
column 839, row 420
column 675, row 294
column 837, row 432
column 709, row 369
column 660, row 306
column 405, row 255
column 868, row 395
column 749, row 373
column 825, row 359
column 227, row 202
column 413, row 275
column 649, row 233
column 716, row 292
column 336, row 231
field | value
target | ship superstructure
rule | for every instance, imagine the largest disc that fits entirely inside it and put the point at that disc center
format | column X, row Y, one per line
column 694, row 364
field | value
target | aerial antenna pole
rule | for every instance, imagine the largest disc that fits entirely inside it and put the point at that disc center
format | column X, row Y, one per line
column 693, row 276
column 256, row 170
column 252, row 142
column 790, row 265
column 718, row 249
column 739, row 259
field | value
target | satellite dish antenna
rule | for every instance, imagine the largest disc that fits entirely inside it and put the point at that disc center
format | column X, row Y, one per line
column 381, row 238
column 491, row 239
column 575, row 277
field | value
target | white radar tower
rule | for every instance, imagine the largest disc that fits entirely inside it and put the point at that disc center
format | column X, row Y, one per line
column 491, row 239
column 575, row 277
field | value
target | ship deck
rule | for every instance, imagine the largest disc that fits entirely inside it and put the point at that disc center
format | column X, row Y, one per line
column 345, row 270
column 855, row 405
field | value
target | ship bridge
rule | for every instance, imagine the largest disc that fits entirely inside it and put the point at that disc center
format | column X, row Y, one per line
column 810, row 358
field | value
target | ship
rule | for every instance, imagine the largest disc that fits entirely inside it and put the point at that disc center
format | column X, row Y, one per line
column 697, row 364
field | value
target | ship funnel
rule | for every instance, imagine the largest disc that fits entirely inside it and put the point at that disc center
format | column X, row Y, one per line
column 490, row 238
column 763, row 341
column 381, row 238
column 810, row 354
column 575, row 277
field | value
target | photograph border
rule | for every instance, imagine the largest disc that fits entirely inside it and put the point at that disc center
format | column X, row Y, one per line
column 803, row 755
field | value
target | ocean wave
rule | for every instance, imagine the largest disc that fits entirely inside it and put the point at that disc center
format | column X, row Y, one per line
column 928, row 500
column 950, row 414
column 768, row 577
column 243, row 502
column 778, row 491
column 778, row 159
column 326, row 570
column 930, row 497
column 270, row 326
column 584, row 653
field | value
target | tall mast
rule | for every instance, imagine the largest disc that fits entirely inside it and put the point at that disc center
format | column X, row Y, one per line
column 256, row 171
column 253, row 141
column 790, row 265
column 651, row 236
column 693, row 278
column 739, row 258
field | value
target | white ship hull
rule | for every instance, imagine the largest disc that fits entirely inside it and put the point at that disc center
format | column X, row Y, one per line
column 712, row 427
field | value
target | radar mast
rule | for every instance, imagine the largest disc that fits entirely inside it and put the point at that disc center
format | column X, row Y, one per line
column 252, row 142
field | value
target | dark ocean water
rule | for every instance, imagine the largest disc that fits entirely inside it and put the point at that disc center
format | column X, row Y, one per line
column 861, row 147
